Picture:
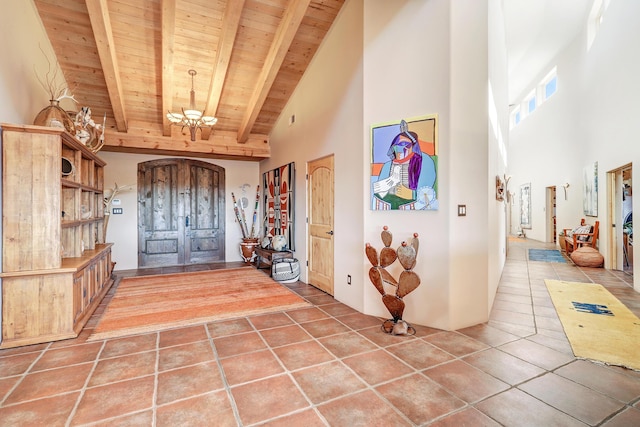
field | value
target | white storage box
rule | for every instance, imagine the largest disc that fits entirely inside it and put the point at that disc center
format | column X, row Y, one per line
column 285, row 270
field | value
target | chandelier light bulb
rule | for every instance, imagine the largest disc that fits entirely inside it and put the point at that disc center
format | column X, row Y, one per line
column 191, row 118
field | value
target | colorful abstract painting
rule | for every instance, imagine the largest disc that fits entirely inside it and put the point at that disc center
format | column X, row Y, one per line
column 404, row 164
column 278, row 188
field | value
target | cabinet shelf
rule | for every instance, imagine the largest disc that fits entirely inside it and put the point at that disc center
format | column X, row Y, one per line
column 56, row 266
column 76, row 223
column 72, row 184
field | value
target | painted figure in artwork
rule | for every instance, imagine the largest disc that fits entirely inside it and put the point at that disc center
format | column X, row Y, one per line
column 406, row 180
column 278, row 187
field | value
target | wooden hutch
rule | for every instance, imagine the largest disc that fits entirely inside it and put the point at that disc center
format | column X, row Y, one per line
column 56, row 267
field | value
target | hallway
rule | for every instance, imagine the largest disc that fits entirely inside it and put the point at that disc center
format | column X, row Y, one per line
column 329, row 365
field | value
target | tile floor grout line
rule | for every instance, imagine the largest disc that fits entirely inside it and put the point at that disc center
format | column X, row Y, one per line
column 23, row 375
column 289, row 372
column 156, row 383
column 225, row 382
column 83, row 390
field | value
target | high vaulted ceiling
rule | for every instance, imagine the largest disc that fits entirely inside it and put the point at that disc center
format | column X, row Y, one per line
column 536, row 32
column 130, row 60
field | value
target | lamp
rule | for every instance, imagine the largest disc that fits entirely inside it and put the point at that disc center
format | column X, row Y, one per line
column 565, row 186
column 191, row 118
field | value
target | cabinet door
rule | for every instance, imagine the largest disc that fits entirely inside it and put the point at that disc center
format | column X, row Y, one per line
column 78, row 300
column 31, row 201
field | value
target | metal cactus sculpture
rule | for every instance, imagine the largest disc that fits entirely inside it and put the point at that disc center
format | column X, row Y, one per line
column 406, row 283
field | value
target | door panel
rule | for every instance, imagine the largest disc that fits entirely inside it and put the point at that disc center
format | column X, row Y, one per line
column 161, row 233
column 320, row 188
column 181, row 212
column 205, row 232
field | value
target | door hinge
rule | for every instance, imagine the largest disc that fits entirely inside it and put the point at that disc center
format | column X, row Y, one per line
column 307, row 263
column 307, row 176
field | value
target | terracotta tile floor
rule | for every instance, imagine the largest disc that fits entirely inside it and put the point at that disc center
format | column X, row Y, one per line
column 331, row 366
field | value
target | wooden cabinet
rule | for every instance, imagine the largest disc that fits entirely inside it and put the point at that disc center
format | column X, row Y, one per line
column 56, row 266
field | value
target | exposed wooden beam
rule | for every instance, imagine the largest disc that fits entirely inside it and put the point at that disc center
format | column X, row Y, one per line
column 284, row 36
column 148, row 138
column 103, row 33
column 230, row 23
column 168, row 37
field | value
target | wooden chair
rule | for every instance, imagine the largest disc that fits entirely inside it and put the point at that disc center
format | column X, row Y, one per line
column 574, row 241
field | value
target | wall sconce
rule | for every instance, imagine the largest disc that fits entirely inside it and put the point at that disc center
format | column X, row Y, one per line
column 565, row 186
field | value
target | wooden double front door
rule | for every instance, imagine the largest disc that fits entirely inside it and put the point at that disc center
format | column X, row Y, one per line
column 181, row 212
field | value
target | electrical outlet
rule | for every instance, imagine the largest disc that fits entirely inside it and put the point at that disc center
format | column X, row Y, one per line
column 348, row 279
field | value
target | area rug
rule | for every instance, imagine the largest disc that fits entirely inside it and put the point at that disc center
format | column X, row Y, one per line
column 151, row 303
column 599, row 327
column 546, row 255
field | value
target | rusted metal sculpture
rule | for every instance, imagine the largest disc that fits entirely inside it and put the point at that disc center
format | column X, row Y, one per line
column 406, row 283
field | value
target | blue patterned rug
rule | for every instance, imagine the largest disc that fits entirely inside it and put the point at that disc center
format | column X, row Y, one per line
column 546, row 255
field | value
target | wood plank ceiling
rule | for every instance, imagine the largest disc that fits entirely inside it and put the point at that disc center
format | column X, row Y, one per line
column 130, row 60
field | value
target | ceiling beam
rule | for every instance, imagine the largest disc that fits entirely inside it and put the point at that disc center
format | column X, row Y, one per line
column 148, row 138
column 168, row 39
column 230, row 24
column 284, row 36
column 103, row 33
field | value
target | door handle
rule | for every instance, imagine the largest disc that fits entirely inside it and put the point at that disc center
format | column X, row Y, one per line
column 330, row 232
column 186, row 221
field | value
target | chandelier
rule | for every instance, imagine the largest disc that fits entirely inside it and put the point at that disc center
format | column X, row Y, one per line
column 191, row 118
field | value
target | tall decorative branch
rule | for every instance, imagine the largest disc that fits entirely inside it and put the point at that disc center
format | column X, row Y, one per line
column 57, row 91
column 108, row 201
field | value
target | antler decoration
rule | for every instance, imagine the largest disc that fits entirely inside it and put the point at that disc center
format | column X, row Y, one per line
column 406, row 283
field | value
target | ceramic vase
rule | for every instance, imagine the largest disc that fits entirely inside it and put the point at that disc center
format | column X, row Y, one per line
column 247, row 248
column 55, row 116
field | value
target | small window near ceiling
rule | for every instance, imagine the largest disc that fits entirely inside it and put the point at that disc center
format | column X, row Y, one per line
column 548, row 85
column 530, row 103
column 515, row 116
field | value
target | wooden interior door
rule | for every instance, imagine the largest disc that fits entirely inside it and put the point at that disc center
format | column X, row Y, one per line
column 181, row 212
column 320, row 231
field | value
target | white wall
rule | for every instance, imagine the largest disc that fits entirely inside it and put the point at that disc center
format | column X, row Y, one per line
column 402, row 68
column 24, row 49
column 122, row 168
column 328, row 107
column 407, row 69
column 498, row 106
column 469, row 161
column 591, row 118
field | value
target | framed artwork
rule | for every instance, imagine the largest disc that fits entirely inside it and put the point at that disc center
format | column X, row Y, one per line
column 525, row 205
column 590, row 190
column 404, row 164
column 278, row 189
